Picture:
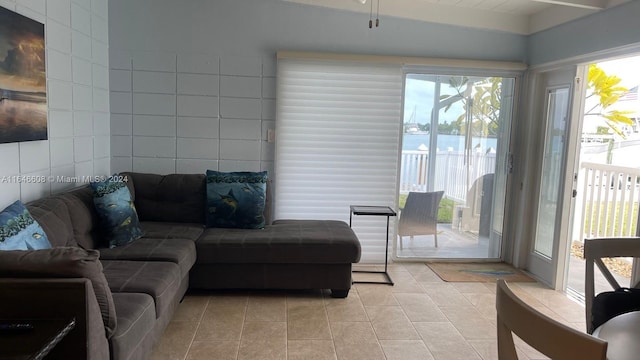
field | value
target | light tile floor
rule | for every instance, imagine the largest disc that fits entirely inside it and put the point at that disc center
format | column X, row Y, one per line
column 421, row 317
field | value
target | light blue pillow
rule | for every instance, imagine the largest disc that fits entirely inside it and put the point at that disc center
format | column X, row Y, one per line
column 236, row 199
column 116, row 211
column 19, row 231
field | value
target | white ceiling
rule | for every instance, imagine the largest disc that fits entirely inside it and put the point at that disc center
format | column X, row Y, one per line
column 516, row 16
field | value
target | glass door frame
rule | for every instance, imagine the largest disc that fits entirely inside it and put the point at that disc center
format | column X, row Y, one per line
column 552, row 271
column 506, row 243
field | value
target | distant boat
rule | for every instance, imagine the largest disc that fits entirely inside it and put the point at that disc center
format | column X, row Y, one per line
column 412, row 126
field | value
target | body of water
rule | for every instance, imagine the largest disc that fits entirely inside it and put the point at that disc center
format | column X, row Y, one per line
column 455, row 142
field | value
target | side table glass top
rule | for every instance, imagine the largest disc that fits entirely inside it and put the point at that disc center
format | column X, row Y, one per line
column 372, row 210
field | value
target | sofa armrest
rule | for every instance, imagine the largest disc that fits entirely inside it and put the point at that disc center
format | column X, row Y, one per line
column 38, row 298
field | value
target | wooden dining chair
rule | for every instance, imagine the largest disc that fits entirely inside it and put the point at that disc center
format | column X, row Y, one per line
column 594, row 251
column 548, row 336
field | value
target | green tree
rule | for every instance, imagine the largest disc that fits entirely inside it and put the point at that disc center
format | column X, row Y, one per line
column 607, row 90
column 481, row 100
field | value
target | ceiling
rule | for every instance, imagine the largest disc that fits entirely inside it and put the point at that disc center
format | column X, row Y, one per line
column 515, row 16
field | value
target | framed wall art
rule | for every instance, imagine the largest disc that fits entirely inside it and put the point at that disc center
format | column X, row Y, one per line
column 23, row 85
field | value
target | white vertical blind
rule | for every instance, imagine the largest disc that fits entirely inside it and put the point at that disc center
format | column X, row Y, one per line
column 337, row 143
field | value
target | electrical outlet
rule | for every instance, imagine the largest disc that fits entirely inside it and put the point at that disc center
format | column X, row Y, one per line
column 271, row 135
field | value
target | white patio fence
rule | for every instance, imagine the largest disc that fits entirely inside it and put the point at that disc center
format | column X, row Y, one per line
column 608, row 199
column 452, row 168
column 608, row 195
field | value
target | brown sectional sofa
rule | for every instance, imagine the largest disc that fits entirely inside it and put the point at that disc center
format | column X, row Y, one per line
column 148, row 277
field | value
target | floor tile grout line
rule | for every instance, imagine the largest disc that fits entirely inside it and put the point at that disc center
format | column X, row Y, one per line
column 186, row 355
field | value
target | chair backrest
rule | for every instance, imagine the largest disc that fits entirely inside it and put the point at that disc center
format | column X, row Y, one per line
column 420, row 213
column 596, row 249
column 551, row 338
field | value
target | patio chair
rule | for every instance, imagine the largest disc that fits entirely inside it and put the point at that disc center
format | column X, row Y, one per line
column 548, row 336
column 594, row 251
column 420, row 215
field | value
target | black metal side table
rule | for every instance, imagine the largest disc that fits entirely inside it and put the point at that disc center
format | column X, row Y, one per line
column 374, row 211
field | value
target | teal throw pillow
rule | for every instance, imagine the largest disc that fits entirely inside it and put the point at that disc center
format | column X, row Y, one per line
column 236, row 199
column 19, row 231
column 117, row 213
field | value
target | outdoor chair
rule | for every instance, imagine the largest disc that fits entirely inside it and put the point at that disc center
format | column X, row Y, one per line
column 420, row 215
column 548, row 336
column 594, row 251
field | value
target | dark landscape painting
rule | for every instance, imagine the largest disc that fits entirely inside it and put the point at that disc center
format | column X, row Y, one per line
column 23, row 92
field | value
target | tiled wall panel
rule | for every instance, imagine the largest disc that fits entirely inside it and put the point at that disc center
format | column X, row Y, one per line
column 215, row 112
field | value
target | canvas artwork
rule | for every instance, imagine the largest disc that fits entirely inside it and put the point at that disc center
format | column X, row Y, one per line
column 23, row 92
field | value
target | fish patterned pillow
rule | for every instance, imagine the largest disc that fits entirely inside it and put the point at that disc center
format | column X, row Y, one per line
column 117, row 213
column 20, row 231
column 236, row 199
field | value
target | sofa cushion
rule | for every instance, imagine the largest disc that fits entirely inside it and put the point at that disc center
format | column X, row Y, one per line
column 116, row 211
column 171, row 230
column 136, row 318
column 19, row 231
column 300, row 241
column 159, row 279
column 84, row 219
column 169, row 198
column 63, row 262
column 178, row 251
column 53, row 215
column 236, row 199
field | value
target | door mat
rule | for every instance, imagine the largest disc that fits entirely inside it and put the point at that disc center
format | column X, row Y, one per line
column 478, row 272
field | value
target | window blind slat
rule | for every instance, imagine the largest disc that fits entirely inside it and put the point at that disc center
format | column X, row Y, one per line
column 338, row 132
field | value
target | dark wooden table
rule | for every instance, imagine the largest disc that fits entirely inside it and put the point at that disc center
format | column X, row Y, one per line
column 35, row 343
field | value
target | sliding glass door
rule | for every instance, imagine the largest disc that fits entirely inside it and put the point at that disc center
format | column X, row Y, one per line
column 456, row 140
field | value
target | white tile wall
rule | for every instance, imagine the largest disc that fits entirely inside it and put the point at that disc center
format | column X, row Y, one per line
column 150, row 125
column 198, row 127
column 60, row 123
column 80, row 19
column 188, row 112
column 10, row 164
column 240, row 149
column 198, row 64
column 83, row 148
column 148, row 146
column 101, row 123
column 203, row 106
column 121, row 164
column 197, row 84
column 121, row 124
column 82, row 123
column 61, row 151
column 154, row 104
column 240, row 86
column 59, row 65
column 100, row 77
column 58, row 36
column 121, row 102
column 192, row 148
column 237, row 108
column 195, row 166
column 82, row 98
column 120, row 80
column 154, row 82
column 240, row 129
column 151, row 61
column 60, row 11
column 80, row 45
column 59, row 95
column 82, row 72
column 154, row 165
column 34, row 156
column 121, row 146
